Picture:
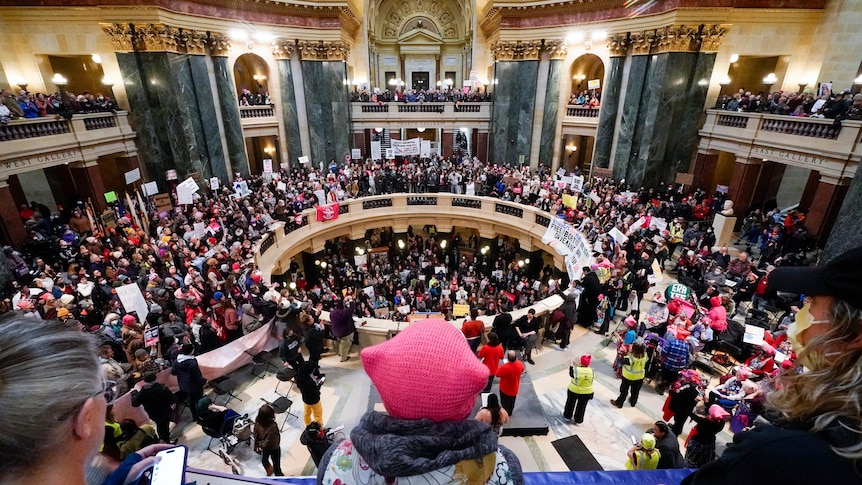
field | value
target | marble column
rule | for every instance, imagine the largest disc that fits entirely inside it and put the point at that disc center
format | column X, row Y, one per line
column 447, row 141
column 845, row 232
column 809, row 190
column 636, row 100
column 539, row 112
column 88, row 183
column 11, row 226
column 290, row 111
column 512, row 117
column 742, row 183
column 547, row 137
column 608, row 113
column 327, row 108
column 768, row 182
column 229, row 108
column 825, row 207
column 704, row 169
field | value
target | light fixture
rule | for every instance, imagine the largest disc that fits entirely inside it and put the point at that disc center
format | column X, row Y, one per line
column 527, row 260
column 400, row 244
column 443, row 244
column 59, row 80
column 323, row 264
column 378, row 130
column 268, row 150
column 439, row 83
column 734, row 58
column 21, row 83
column 496, row 81
column 96, row 58
column 574, row 37
column 485, row 250
column 572, row 148
column 724, row 81
column 520, row 263
column 360, row 251
column 259, row 77
column 107, row 81
column 770, row 79
column 449, row 82
column 317, row 262
column 421, row 129
column 292, row 285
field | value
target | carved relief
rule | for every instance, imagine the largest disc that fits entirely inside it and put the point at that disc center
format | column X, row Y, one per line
column 618, row 44
column 156, row 38
column 711, row 37
column 516, row 51
column 323, row 51
column 556, row 49
column 122, row 36
column 194, row 42
column 677, row 38
column 642, row 42
column 219, row 44
column 445, row 18
column 419, row 23
column 283, row 49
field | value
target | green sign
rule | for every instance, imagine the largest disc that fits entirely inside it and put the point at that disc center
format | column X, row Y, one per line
column 521, row 159
column 110, row 196
column 678, row 290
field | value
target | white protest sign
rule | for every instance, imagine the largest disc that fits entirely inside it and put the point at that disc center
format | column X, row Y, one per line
column 133, row 300
column 404, row 310
column 618, row 236
column 753, row 335
column 390, row 154
column 375, row 150
column 241, row 188
column 425, row 149
column 577, row 183
column 281, row 186
column 151, row 188
column 403, row 148
column 214, row 183
column 133, row 175
column 356, row 153
column 186, row 190
column 267, row 165
column 470, row 189
column 304, row 160
column 561, row 172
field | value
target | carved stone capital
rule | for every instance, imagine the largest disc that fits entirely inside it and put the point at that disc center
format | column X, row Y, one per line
column 156, row 38
column 195, row 42
column 516, row 50
column 556, row 49
column 219, row 44
column 283, row 49
column 618, row 44
column 711, row 37
column 122, row 36
column 677, row 38
column 323, row 51
column 642, row 42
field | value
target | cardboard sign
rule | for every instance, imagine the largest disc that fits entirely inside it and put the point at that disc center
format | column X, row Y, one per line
column 109, row 218
column 355, row 153
column 162, row 202
column 460, row 310
column 151, row 336
column 133, row 176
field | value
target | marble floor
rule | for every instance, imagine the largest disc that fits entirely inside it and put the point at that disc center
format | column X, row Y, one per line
column 606, row 430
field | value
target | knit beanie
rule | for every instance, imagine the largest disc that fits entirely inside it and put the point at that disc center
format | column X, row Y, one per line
column 426, row 371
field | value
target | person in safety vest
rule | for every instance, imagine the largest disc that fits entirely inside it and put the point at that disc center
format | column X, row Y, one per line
column 580, row 390
column 633, row 375
column 643, row 456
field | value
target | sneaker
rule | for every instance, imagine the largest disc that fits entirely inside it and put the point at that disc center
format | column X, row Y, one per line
column 531, row 361
column 345, row 359
column 616, row 404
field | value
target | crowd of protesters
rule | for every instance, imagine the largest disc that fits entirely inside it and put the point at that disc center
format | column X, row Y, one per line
column 35, row 105
column 835, row 105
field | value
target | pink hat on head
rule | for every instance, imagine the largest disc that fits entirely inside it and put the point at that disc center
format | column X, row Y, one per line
column 743, row 373
column 129, row 320
column 717, row 412
column 585, row 360
column 630, row 321
column 426, row 371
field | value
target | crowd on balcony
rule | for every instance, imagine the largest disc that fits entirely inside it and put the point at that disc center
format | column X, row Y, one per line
column 29, row 105
column 420, row 96
column 834, row 105
column 247, row 98
column 588, row 98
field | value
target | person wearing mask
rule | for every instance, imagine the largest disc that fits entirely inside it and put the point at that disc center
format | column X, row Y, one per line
column 189, row 377
column 668, row 446
column 817, row 400
column 634, row 366
column 580, row 390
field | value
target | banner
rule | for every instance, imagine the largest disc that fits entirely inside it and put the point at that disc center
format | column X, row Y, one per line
column 267, row 165
column 569, row 242
column 375, row 151
column 425, row 149
column 403, row 148
column 328, row 212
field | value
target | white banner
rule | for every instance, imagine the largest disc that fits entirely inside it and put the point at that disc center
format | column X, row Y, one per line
column 375, row 150
column 569, row 242
column 355, row 153
column 425, row 149
column 304, row 159
column 133, row 176
column 403, row 148
column 133, row 300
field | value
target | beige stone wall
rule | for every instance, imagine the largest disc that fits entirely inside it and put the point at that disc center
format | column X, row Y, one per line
column 837, row 42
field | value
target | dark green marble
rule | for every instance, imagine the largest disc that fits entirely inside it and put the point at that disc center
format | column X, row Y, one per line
column 215, row 163
column 152, row 154
column 682, row 146
column 326, row 104
column 846, row 232
column 288, row 112
column 637, row 98
column 231, row 121
column 513, row 111
column 608, row 114
column 551, row 109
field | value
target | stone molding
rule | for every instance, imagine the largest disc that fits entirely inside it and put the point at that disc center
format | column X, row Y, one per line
column 556, row 49
column 711, row 37
column 160, row 37
column 642, row 42
column 677, row 38
column 618, row 44
column 323, row 51
column 517, row 50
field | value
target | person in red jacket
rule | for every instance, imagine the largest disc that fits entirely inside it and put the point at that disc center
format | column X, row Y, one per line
column 762, row 362
column 510, row 380
column 491, row 354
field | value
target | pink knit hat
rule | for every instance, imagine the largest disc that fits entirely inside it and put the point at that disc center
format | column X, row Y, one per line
column 426, row 371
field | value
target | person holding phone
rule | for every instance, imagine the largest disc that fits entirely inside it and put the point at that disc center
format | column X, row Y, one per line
column 56, row 444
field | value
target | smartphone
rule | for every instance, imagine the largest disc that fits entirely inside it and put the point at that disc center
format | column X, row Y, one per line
column 634, row 440
column 171, row 468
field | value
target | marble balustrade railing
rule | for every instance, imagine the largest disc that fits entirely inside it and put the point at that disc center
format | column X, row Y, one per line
column 24, row 128
column 468, row 111
column 581, row 112
column 256, row 111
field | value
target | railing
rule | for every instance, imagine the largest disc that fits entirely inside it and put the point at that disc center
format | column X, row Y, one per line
column 733, row 121
column 267, row 242
column 420, row 108
column 100, row 121
column 375, row 108
column 421, row 200
column 467, row 107
column 396, row 115
column 794, row 126
column 579, row 112
column 34, row 128
column 256, row 111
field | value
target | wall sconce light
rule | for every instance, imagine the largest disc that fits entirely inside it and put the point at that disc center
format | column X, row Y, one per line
column 59, row 80
column 421, row 129
column 443, row 244
column 400, row 244
column 724, row 81
column 21, row 83
column 268, row 150
column 858, row 80
column 734, row 58
column 770, row 79
column 106, row 81
column 702, row 82
column 96, row 58
column 378, row 130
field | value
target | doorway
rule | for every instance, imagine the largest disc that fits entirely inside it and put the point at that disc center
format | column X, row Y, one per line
column 420, row 80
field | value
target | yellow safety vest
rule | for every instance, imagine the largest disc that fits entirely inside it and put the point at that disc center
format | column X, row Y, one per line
column 645, row 462
column 582, row 382
column 634, row 370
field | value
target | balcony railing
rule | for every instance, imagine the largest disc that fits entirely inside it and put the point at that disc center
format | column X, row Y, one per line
column 410, row 113
column 256, row 112
column 580, row 112
column 34, row 128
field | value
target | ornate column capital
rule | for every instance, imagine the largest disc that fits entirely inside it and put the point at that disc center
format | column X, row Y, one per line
column 122, row 36
column 516, row 50
column 283, row 49
column 642, row 42
column 323, row 51
column 556, row 49
column 677, row 38
column 219, row 44
column 711, row 37
column 195, row 42
column 436, row 57
column 156, row 38
column 618, row 44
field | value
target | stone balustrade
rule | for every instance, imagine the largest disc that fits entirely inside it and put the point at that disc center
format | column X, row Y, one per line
column 446, row 115
column 581, row 112
column 580, row 121
column 256, row 112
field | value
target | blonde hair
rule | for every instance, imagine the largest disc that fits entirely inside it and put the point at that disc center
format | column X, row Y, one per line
column 831, row 395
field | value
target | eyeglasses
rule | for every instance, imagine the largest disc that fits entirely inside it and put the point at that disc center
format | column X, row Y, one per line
column 108, row 391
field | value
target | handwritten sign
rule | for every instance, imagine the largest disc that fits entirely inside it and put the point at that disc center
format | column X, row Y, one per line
column 460, row 310
column 162, row 202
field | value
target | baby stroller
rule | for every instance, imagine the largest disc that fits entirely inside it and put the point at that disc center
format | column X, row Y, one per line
column 318, row 440
column 230, row 429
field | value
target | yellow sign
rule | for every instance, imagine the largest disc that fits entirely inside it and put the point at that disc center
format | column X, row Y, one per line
column 460, row 310
column 570, row 201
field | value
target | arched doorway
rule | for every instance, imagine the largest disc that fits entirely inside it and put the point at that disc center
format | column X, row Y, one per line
column 586, row 68
column 251, row 74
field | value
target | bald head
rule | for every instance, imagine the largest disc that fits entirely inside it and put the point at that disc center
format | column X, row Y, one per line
column 512, row 356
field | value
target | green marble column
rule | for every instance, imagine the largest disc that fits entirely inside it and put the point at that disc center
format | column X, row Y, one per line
column 637, row 97
column 289, row 112
column 551, row 109
column 229, row 108
column 326, row 103
column 846, row 233
column 682, row 147
column 514, row 106
column 608, row 114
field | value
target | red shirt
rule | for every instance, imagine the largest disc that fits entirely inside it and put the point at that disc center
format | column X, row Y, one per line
column 491, row 356
column 472, row 328
column 510, row 377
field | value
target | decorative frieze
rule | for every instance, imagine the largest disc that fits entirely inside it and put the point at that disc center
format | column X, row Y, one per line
column 165, row 38
column 516, row 50
column 122, row 36
column 194, row 42
column 642, row 42
column 556, row 49
column 618, row 44
column 711, row 37
column 156, row 38
column 677, row 38
column 323, row 51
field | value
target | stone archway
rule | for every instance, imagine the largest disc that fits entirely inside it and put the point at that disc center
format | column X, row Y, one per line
column 250, row 72
column 584, row 69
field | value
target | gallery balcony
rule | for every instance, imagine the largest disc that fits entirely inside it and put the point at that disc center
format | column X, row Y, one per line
column 580, row 120
column 258, row 121
column 446, row 115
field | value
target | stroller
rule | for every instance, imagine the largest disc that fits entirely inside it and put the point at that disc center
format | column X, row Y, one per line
column 230, row 429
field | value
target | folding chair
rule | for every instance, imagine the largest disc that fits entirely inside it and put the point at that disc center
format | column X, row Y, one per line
column 285, row 374
column 261, row 363
column 224, row 386
column 281, row 405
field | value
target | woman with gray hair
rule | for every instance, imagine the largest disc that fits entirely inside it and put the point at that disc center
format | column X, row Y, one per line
column 53, row 399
